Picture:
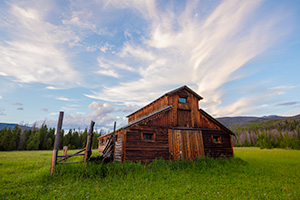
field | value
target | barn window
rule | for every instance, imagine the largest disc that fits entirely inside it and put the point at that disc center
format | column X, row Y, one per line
column 148, row 136
column 182, row 99
column 216, row 139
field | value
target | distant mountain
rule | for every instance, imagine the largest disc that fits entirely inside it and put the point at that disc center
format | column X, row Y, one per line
column 11, row 125
column 231, row 121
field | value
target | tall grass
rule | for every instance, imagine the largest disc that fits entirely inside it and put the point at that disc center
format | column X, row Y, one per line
column 252, row 174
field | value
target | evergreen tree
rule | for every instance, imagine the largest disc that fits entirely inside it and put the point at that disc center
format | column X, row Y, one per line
column 43, row 137
column 16, row 132
column 34, row 140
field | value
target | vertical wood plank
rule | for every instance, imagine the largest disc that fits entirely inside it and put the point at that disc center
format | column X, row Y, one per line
column 170, row 144
column 114, row 142
column 88, row 148
column 56, row 143
column 124, row 146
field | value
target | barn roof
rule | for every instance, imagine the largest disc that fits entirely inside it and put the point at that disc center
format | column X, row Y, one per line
column 148, row 117
column 216, row 122
column 170, row 93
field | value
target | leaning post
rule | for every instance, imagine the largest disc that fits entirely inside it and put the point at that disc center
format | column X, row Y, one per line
column 89, row 141
column 56, row 143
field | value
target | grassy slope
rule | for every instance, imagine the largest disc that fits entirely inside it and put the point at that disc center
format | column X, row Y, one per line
column 268, row 174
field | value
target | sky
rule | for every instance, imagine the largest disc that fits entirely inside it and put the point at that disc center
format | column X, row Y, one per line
column 102, row 60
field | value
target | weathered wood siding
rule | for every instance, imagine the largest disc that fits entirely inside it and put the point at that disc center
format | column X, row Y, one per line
column 207, row 123
column 184, row 114
column 139, row 150
column 149, row 109
column 102, row 143
column 119, row 147
column 185, row 144
column 162, row 120
column 212, row 149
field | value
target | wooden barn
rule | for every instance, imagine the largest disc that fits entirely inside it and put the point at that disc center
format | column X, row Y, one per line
column 171, row 127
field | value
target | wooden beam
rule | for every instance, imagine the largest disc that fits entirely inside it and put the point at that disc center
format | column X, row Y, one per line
column 88, row 151
column 114, row 142
column 56, row 143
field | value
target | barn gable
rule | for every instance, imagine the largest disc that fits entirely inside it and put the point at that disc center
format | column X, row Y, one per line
column 172, row 127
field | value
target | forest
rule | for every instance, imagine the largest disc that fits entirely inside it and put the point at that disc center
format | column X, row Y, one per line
column 275, row 133
column 43, row 138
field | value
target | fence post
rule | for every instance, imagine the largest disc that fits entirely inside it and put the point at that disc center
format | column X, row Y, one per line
column 89, row 141
column 56, row 143
column 65, row 151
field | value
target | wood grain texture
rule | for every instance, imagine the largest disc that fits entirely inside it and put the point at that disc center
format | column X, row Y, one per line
column 185, row 144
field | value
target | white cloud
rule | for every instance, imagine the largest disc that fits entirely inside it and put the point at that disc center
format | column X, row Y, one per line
column 111, row 73
column 100, row 113
column 280, row 90
column 64, row 99
column 183, row 49
column 38, row 54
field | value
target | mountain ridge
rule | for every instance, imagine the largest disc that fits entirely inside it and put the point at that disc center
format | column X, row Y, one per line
column 231, row 121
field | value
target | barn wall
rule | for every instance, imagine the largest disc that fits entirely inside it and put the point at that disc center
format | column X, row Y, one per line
column 149, row 109
column 185, row 144
column 206, row 122
column 213, row 149
column 184, row 114
column 102, row 143
column 119, row 147
column 162, row 120
column 137, row 149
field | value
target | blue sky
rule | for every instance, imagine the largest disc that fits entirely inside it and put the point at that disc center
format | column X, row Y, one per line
column 101, row 60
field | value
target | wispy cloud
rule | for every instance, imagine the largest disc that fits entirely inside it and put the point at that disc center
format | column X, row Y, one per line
column 280, row 90
column 38, row 54
column 287, row 103
column 100, row 113
column 64, row 99
column 200, row 51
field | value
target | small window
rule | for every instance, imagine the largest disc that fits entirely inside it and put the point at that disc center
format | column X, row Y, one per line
column 148, row 137
column 182, row 99
column 216, row 139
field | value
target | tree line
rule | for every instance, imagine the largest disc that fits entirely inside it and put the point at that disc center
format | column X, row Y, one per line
column 43, row 138
column 270, row 134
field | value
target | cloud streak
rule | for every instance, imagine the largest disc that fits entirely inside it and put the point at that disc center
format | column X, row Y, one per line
column 100, row 113
column 200, row 51
column 38, row 54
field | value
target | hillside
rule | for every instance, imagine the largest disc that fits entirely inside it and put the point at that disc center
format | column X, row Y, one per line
column 231, row 121
column 265, row 132
column 11, row 125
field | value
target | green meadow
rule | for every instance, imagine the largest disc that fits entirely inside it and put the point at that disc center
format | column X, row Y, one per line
column 252, row 174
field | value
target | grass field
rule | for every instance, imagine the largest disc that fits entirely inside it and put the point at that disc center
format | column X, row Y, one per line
column 252, row 174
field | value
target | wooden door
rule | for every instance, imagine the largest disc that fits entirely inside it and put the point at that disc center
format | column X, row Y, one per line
column 185, row 144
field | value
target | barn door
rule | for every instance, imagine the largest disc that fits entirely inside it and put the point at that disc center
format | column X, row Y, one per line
column 185, row 144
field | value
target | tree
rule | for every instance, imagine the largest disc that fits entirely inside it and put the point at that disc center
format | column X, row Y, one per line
column 34, row 140
column 43, row 137
column 16, row 132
